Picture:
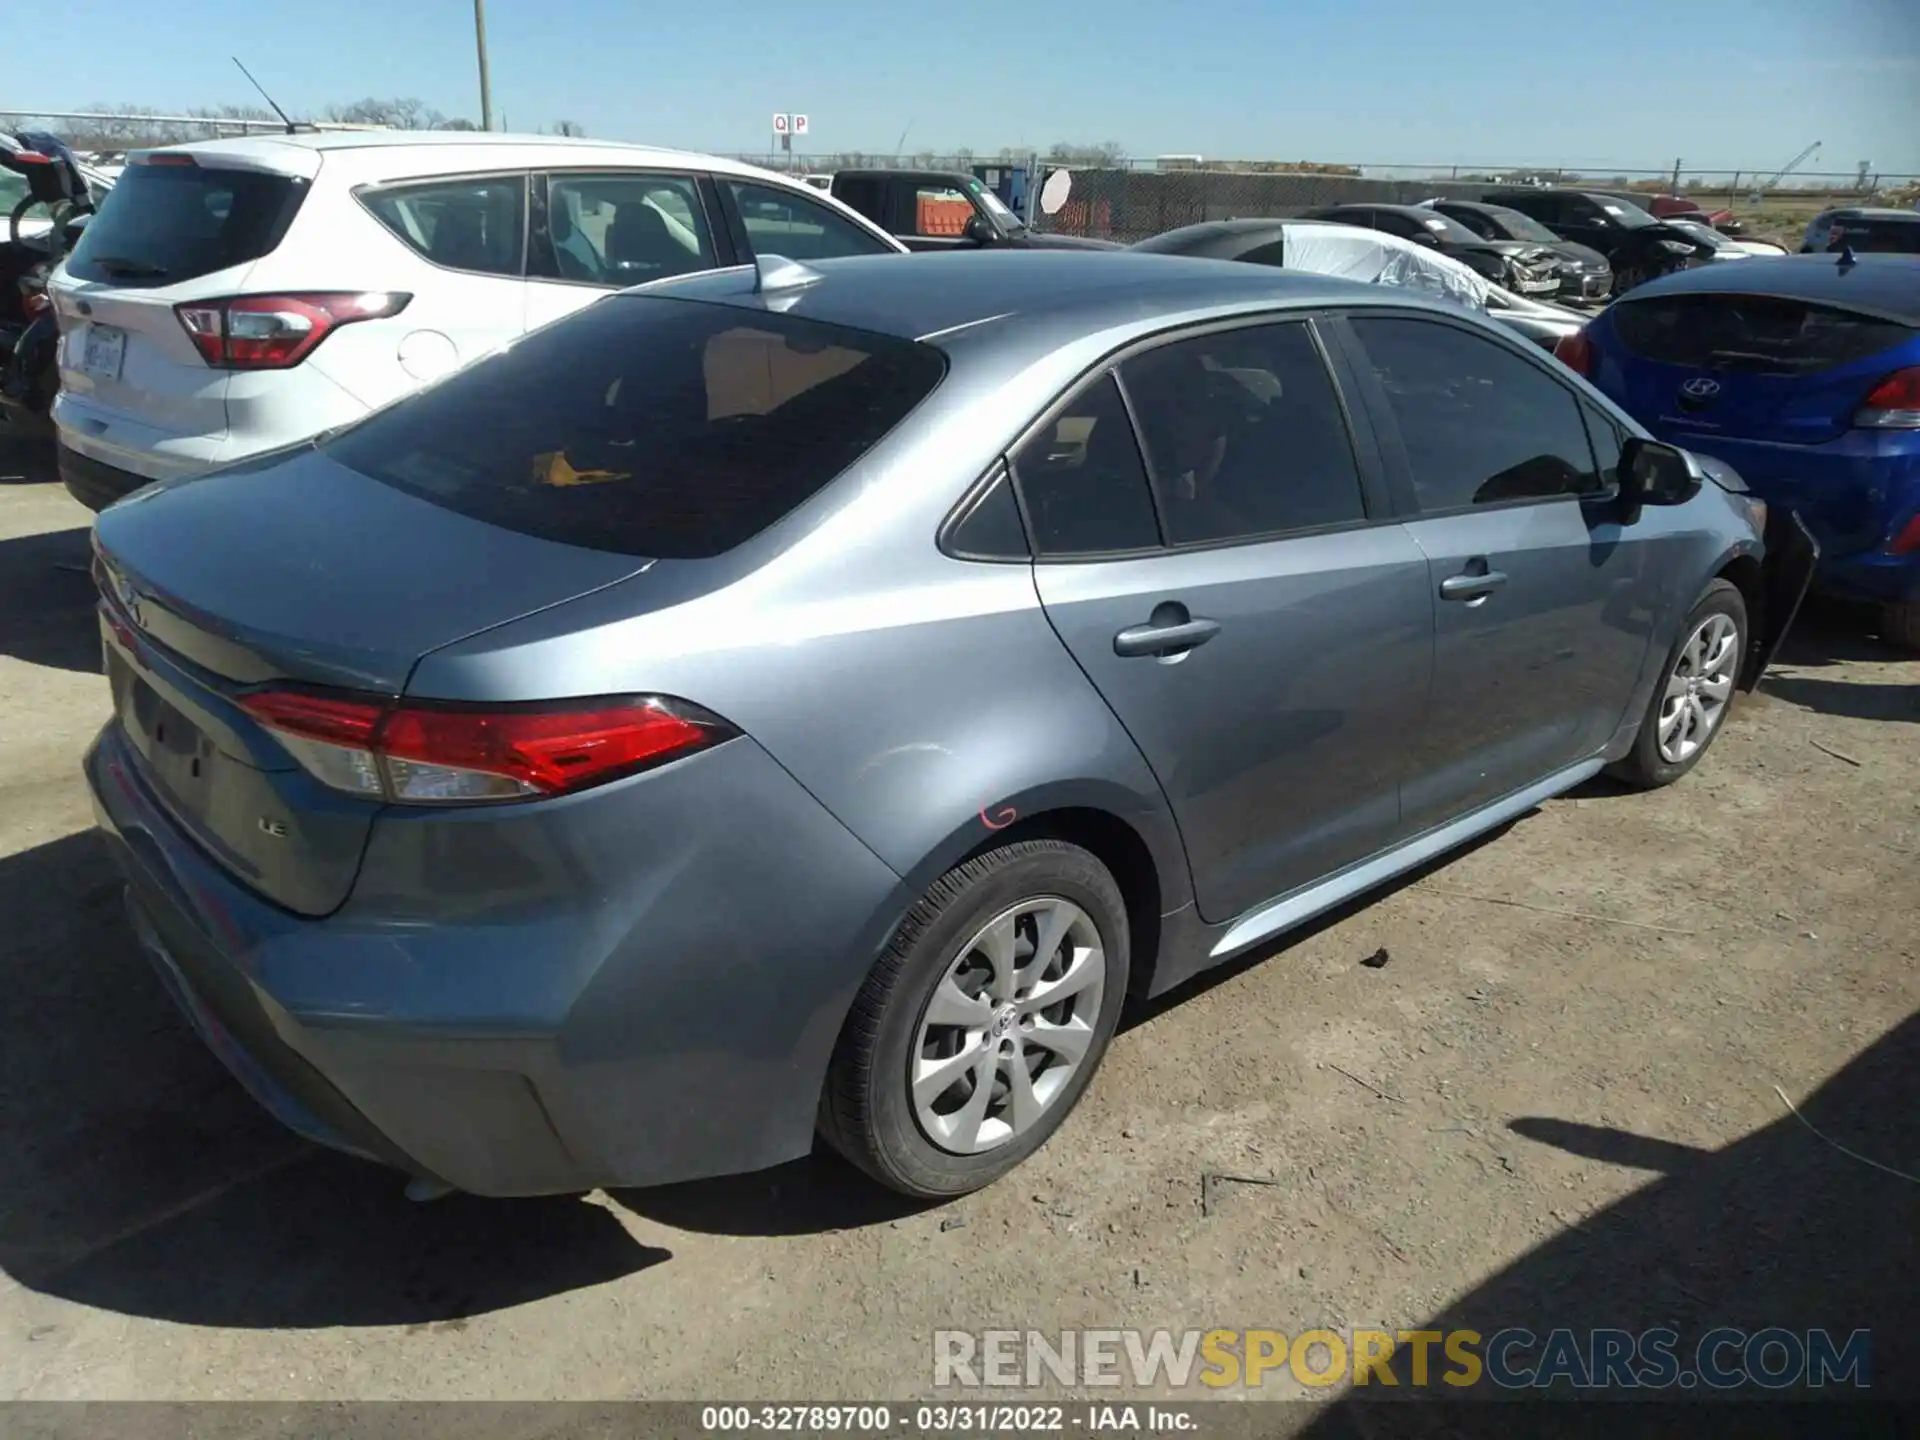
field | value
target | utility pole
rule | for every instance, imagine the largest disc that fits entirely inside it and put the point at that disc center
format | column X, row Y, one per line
column 480, row 43
column 1675, row 190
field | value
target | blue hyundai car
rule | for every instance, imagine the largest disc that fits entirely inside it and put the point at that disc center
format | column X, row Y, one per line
column 1801, row 372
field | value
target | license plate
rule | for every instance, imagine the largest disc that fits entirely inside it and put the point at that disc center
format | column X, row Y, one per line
column 102, row 349
column 1534, row 287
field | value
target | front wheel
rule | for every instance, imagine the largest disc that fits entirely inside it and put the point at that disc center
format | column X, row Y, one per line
column 1696, row 691
column 981, row 1025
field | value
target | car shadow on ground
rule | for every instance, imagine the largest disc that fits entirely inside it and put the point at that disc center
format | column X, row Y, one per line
column 138, row 1177
column 46, row 600
column 1831, row 632
column 822, row 1192
column 1778, row 1228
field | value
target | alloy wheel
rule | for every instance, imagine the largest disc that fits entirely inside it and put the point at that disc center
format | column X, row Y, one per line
column 1008, row 1025
column 1699, row 688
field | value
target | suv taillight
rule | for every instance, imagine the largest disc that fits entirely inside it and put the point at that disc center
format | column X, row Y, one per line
column 425, row 753
column 1575, row 351
column 1893, row 404
column 273, row 332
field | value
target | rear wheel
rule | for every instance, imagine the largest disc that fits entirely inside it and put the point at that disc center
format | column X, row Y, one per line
column 982, row 1024
column 1691, row 702
column 1900, row 625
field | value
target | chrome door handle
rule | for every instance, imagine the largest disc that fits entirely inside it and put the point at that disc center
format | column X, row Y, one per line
column 1471, row 587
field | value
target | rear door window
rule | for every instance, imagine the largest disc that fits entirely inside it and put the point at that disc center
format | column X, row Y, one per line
column 1246, row 435
column 165, row 223
column 648, row 426
column 477, row 224
column 1754, row 334
column 626, row 229
column 779, row 222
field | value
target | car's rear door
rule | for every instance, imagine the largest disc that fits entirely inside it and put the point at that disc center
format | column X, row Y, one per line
column 1544, row 598
column 1229, row 579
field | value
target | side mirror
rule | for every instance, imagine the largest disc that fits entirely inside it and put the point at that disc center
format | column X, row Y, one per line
column 980, row 230
column 1652, row 473
column 1425, row 237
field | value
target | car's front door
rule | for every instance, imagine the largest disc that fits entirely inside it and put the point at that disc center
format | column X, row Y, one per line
column 598, row 230
column 1545, row 600
column 1252, row 616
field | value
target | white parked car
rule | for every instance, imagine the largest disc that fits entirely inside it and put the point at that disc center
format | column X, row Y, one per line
column 241, row 295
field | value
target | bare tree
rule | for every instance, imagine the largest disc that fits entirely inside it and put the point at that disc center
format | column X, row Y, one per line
column 569, row 127
column 398, row 114
column 1107, row 152
column 456, row 122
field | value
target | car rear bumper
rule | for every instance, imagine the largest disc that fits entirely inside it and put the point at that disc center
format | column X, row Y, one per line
column 1854, row 492
column 677, row 1028
column 111, row 438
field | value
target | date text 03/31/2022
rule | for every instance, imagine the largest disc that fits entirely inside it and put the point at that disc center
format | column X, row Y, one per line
column 964, row 1419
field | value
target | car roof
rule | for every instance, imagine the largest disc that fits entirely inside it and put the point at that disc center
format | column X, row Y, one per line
column 439, row 152
column 1887, row 286
column 1018, row 294
column 1876, row 212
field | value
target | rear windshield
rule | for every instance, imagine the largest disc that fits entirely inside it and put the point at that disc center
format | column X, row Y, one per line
column 648, row 426
column 1759, row 334
column 162, row 224
column 1879, row 236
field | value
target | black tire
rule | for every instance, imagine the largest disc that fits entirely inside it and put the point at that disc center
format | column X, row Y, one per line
column 1900, row 625
column 867, row 1112
column 1643, row 767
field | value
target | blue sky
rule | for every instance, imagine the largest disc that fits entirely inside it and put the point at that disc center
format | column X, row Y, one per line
column 1744, row 83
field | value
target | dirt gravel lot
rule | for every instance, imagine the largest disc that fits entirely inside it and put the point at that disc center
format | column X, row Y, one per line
column 1553, row 1105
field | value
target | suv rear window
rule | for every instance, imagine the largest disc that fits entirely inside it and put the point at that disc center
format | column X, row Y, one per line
column 1877, row 236
column 648, row 426
column 1759, row 334
column 166, row 223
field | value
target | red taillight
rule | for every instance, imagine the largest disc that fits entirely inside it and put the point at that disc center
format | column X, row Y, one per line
column 451, row 754
column 1575, row 351
column 162, row 157
column 1908, row 540
column 1893, row 404
column 273, row 332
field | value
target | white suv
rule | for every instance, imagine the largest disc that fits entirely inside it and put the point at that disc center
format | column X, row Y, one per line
column 241, row 295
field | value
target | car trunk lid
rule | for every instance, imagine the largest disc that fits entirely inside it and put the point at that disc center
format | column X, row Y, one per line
column 293, row 569
column 1757, row 367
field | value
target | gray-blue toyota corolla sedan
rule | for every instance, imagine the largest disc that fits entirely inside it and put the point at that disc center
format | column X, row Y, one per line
column 800, row 701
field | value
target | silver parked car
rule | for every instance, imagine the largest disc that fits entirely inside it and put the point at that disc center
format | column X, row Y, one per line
column 791, row 698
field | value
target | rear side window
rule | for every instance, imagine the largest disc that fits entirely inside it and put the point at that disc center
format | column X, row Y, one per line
column 1479, row 424
column 648, row 426
column 779, row 222
column 1246, row 435
column 163, row 223
column 478, row 224
column 1756, row 334
column 1082, row 479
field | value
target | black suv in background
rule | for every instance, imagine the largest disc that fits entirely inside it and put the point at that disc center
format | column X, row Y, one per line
column 1525, row 267
column 1636, row 245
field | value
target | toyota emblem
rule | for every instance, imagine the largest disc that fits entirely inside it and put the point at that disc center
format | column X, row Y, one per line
column 1700, row 388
